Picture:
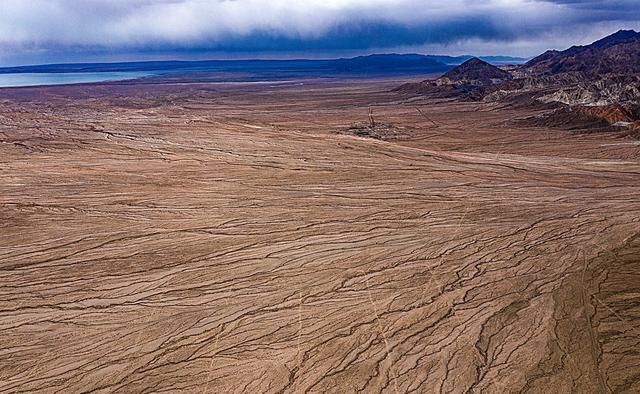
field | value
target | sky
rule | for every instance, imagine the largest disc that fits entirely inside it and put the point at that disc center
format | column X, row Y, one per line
column 62, row 31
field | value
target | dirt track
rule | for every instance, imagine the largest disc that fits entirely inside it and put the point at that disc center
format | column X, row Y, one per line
column 226, row 239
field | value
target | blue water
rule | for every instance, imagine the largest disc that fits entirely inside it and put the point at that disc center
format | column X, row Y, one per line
column 37, row 79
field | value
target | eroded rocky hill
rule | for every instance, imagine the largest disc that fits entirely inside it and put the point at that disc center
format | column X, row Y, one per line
column 603, row 77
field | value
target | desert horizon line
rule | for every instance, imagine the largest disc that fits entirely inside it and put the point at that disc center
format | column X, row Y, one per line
column 274, row 56
column 273, row 59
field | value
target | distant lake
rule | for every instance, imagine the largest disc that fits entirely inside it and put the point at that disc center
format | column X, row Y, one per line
column 36, row 79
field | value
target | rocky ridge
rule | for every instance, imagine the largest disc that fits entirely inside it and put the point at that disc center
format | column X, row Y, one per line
column 600, row 80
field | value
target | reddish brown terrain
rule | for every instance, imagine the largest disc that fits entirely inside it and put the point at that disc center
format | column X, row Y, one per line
column 316, row 236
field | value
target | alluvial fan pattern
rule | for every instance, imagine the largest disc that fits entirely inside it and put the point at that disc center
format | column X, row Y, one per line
column 227, row 239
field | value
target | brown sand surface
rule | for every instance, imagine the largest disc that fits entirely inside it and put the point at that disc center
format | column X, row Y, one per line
column 229, row 238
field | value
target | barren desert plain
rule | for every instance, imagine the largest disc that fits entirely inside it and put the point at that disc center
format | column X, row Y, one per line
column 247, row 238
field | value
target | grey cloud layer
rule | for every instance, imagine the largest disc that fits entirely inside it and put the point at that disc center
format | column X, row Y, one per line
column 279, row 25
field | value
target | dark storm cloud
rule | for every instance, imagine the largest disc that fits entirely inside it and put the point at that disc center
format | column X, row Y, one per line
column 39, row 28
column 361, row 35
column 603, row 10
column 599, row 4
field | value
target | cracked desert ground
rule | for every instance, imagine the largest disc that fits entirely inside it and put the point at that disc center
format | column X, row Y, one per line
column 228, row 238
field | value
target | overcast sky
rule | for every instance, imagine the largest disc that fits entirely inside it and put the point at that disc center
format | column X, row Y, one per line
column 45, row 31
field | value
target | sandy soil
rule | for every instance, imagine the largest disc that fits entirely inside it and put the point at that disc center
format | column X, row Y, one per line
column 229, row 238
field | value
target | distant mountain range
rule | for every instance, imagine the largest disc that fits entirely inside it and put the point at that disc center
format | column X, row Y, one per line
column 372, row 64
